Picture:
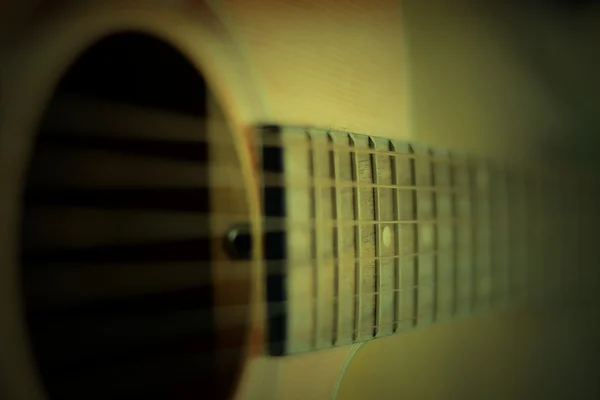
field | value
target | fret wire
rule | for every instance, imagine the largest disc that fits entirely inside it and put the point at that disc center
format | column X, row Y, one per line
column 353, row 149
column 517, row 223
column 378, row 244
column 434, row 211
column 337, row 212
column 408, row 289
column 490, row 221
column 508, row 251
column 481, row 237
column 420, row 315
column 526, row 233
column 269, row 140
column 567, row 227
column 551, row 209
column 396, row 212
column 241, row 263
column 301, row 225
column 413, row 178
column 538, row 168
column 358, row 241
column 538, row 244
column 276, row 178
column 550, row 245
column 474, row 235
column 491, row 235
column 273, row 224
column 562, row 209
column 415, row 254
column 454, row 229
column 276, row 183
column 391, row 323
column 412, row 288
column 274, row 221
column 395, row 322
column 63, row 274
column 566, row 205
column 314, row 212
column 427, row 235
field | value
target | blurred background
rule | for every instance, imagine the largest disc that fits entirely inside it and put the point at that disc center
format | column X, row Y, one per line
column 502, row 77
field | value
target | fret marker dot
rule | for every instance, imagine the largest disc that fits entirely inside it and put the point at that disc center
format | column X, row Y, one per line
column 387, row 236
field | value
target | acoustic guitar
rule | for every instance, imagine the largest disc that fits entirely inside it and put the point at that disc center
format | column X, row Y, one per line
column 226, row 199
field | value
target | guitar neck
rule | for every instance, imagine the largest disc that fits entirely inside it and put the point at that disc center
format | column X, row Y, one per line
column 368, row 237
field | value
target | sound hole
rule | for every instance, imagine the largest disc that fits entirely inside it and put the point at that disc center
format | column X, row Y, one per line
column 116, row 235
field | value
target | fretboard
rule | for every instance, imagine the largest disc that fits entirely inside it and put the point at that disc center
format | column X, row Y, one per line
column 368, row 237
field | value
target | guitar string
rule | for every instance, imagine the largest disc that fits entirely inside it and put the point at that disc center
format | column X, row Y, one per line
column 522, row 288
column 395, row 154
column 547, row 295
column 289, row 181
column 288, row 142
column 269, row 225
column 455, row 158
column 242, row 273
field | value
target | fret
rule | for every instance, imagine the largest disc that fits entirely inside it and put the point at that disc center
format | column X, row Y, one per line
column 323, row 243
column 300, row 281
column 519, row 221
column 501, row 251
column 274, row 246
column 571, row 258
column 426, row 237
column 482, row 235
column 588, row 235
column 358, row 242
column 365, row 237
column 337, row 244
column 538, row 200
column 586, row 242
column 548, row 208
column 551, row 216
column 346, row 241
column 558, row 214
column 405, row 239
column 396, row 229
column 463, row 205
column 528, row 231
column 379, row 324
column 564, row 214
column 445, row 215
column 418, row 236
column 582, row 247
column 580, row 238
column 384, row 238
column 512, row 232
column 314, row 256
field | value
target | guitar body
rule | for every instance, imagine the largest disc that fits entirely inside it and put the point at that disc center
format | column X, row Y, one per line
column 335, row 65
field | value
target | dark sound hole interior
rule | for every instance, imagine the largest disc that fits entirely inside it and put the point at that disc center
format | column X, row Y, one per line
column 115, row 252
